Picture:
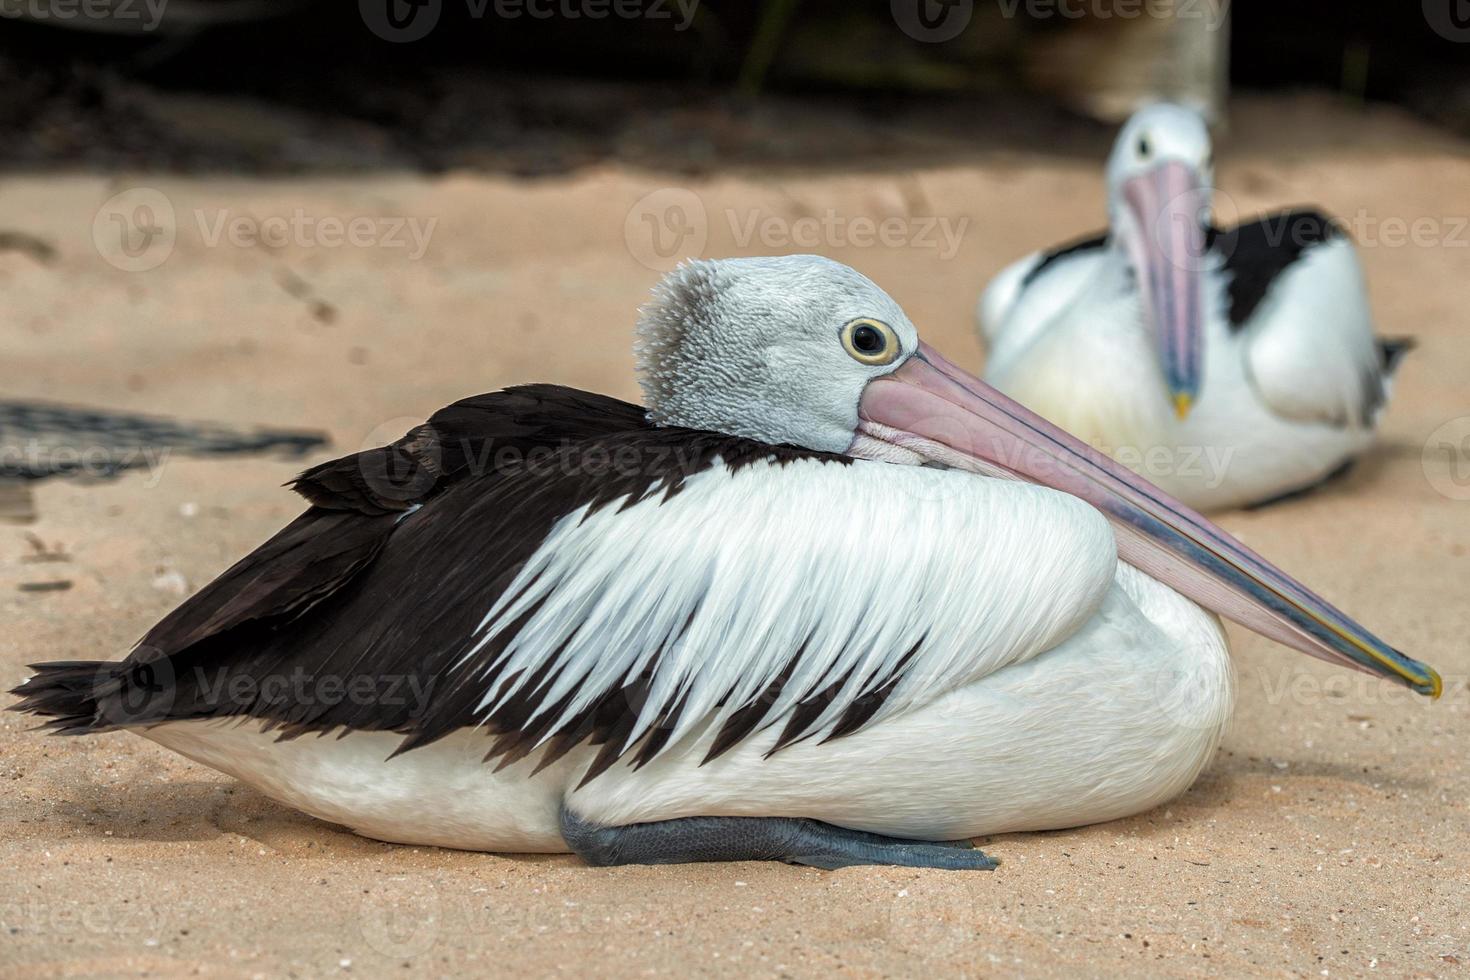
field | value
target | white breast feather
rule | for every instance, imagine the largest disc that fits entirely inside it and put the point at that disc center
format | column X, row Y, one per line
column 1038, row 305
column 1000, row 297
column 719, row 586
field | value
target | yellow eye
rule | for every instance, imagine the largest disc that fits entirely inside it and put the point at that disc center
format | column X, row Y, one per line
column 870, row 341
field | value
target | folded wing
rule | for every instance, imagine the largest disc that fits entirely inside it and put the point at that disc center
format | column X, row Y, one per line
column 607, row 582
column 1295, row 288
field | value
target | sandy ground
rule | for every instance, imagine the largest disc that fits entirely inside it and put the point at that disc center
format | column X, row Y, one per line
column 1329, row 837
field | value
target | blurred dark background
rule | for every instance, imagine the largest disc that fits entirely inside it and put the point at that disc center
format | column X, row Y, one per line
column 544, row 86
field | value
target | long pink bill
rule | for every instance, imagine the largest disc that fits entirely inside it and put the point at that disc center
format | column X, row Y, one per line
column 1166, row 246
column 931, row 410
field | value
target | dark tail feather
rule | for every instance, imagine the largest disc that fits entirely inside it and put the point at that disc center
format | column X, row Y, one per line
column 67, row 695
column 1392, row 350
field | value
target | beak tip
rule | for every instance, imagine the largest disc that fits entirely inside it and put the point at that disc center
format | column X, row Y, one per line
column 1183, row 402
column 1418, row 675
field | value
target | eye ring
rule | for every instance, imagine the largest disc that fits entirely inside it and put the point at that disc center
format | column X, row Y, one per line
column 870, row 341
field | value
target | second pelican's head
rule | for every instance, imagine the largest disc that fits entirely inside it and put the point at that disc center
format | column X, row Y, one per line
column 806, row 351
column 1159, row 187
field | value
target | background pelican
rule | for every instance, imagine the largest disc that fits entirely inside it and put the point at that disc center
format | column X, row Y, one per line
column 1230, row 367
column 737, row 626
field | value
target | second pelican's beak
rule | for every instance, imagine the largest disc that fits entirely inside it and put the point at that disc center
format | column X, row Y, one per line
column 1166, row 245
column 933, row 410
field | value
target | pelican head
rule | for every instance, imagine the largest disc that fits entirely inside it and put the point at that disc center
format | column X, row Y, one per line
column 806, row 351
column 1159, row 184
column 732, row 344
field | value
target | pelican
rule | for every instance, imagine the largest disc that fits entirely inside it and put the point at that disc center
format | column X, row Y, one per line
column 1230, row 367
column 827, row 599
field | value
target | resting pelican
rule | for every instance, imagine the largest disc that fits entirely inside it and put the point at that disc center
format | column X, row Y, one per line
column 1230, row 367
column 810, row 605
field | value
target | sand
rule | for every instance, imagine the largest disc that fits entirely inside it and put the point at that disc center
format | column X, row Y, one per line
column 1327, row 838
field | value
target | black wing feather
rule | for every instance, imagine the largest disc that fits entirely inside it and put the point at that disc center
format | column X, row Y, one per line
column 1257, row 252
column 357, row 614
column 1090, row 243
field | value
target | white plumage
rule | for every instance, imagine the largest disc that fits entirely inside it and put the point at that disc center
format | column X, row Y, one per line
column 853, row 565
column 1310, row 350
column 1285, row 397
column 796, row 596
column 1051, row 664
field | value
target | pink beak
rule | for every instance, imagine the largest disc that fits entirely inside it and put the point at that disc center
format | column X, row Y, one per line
column 929, row 410
column 1167, row 250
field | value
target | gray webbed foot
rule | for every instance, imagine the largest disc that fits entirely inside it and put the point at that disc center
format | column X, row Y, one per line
column 790, row 839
